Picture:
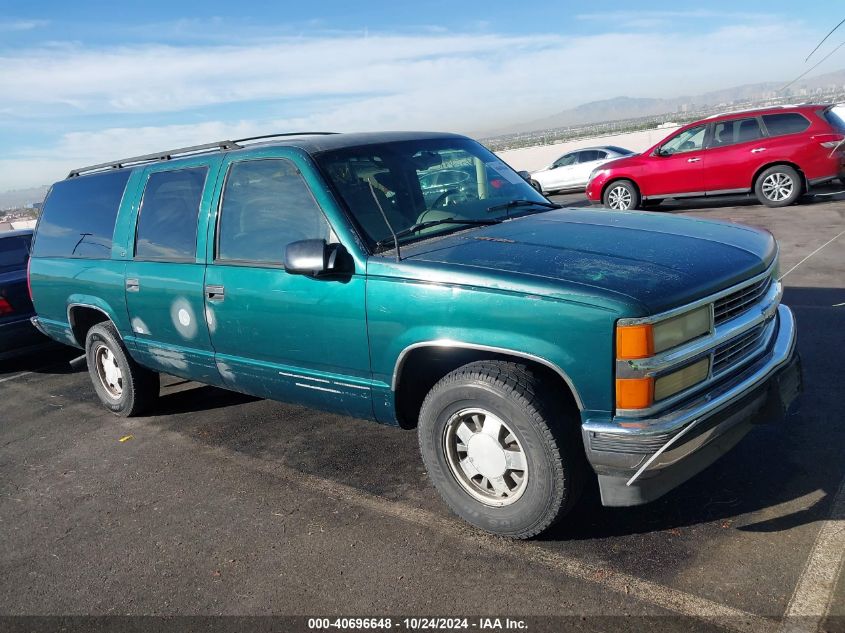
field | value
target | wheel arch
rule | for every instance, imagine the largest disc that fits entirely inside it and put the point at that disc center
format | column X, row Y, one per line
column 83, row 316
column 774, row 163
column 429, row 361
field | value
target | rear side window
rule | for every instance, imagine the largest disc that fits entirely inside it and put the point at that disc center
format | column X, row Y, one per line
column 589, row 156
column 14, row 251
column 167, row 221
column 78, row 216
column 266, row 206
column 736, row 131
column 786, row 123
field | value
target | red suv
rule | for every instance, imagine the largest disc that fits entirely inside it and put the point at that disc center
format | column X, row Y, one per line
column 777, row 153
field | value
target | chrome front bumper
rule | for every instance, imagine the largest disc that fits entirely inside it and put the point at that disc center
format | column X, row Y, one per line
column 638, row 460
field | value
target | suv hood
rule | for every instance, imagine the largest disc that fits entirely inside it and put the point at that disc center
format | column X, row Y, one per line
column 659, row 260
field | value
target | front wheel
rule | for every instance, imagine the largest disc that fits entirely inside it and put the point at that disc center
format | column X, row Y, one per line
column 496, row 446
column 778, row 186
column 621, row 195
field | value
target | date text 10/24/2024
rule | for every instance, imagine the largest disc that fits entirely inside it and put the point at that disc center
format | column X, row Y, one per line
column 418, row 624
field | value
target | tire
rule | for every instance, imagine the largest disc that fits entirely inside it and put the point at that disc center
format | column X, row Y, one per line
column 778, row 186
column 535, row 424
column 123, row 386
column 621, row 195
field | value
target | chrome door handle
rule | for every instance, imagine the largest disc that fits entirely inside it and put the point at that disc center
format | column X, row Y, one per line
column 693, row 160
column 132, row 285
column 757, row 150
column 215, row 293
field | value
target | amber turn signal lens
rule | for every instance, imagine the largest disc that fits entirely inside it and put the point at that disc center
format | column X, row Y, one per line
column 634, row 393
column 634, row 341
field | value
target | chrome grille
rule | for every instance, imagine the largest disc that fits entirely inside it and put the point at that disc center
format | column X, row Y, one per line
column 729, row 354
column 736, row 303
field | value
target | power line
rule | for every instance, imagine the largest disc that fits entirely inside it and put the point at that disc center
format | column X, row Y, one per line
column 813, row 67
column 823, row 40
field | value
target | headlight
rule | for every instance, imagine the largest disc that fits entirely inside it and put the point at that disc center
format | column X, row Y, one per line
column 675, row 382
column 681, row 329
column 648, row 339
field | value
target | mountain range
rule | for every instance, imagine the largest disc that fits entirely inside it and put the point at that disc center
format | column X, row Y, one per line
column 634, row 107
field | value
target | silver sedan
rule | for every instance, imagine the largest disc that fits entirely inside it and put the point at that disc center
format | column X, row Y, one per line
column 572, row 170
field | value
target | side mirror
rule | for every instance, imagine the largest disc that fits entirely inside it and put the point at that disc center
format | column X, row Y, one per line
column 315, row 258
column 659, row 152
column 525, row 175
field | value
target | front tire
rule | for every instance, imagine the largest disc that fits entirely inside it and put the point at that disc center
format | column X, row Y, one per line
column 500, row 449
column 778, row 186
column 123, row 386
column 621, row 195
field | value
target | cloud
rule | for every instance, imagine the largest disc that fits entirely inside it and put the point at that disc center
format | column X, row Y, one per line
column 343, row 81
column 22, row 25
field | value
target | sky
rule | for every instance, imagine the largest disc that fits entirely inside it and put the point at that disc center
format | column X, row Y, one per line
column 88, row 82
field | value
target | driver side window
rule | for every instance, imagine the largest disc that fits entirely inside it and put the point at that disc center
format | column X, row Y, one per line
column 687, row 141
column 266, row 206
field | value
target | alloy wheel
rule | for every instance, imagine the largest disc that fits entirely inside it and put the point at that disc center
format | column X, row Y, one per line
column 777, row 187
column 619, row 198
column 485, row 457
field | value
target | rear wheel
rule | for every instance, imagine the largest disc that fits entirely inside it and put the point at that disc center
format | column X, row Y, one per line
column 778, row 186
column 621, row 195
column 123, row 386
column 500, row 449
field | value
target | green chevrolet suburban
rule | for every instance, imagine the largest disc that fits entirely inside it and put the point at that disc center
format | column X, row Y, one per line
column 417, row 280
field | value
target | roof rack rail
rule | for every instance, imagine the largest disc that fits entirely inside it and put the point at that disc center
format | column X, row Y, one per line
column 180, row 151
column 262, row 137
column 150, row 158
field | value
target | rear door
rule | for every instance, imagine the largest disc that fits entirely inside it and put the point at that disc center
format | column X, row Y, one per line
column 165, row 277
column 737, row 148
column 278, row 335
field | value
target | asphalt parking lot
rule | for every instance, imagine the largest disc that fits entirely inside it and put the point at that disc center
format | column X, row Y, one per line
column 225, row 504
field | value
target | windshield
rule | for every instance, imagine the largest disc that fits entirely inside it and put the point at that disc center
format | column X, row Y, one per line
column 422, row 181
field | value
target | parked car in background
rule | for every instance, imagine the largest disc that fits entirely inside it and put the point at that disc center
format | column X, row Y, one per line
column 776, row 153
column 573, row 169
column 532, row 347
column 17, row 333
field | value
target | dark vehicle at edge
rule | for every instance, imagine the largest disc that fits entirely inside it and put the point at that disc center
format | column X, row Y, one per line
column 17, row 334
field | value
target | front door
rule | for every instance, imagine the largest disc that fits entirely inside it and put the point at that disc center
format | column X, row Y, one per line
column 165, row 277
column 676, row 167
column 278, row 335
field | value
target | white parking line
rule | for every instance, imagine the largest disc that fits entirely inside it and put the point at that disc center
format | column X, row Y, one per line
column 640, row 589
column 811, row 601
column 73, row 363
column 20, row 375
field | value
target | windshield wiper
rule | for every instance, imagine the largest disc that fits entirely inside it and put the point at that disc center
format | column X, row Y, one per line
column 419, row 226
column 523, row 203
